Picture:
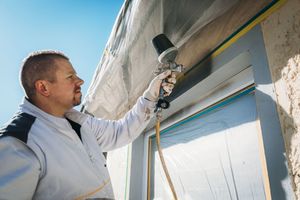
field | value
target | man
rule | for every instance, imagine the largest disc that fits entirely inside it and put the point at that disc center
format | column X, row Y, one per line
column 51, row 151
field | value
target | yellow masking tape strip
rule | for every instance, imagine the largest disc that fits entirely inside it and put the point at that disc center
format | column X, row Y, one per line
column 82, row 197
column 263, row 162
column 259, row 19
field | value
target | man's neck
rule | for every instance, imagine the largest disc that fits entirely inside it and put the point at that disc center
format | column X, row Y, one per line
column 49, row 108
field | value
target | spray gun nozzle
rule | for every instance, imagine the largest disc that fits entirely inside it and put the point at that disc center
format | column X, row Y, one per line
column 176, row 67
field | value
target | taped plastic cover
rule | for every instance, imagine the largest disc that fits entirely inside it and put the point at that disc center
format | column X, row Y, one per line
column 214, row 156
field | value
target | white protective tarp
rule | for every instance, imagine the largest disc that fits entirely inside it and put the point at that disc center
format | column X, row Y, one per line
column 213, row 156
column 129, row 59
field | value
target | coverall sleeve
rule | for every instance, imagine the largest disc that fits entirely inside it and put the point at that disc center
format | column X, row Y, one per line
column 19, row 170
column 112, row 134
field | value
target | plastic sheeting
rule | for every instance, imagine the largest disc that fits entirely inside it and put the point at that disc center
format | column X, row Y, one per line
column 129, row 60
column 127, row 65
column 117, row 163
column 214, row 156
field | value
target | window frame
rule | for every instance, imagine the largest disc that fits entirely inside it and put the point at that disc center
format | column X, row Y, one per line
column 270, row 137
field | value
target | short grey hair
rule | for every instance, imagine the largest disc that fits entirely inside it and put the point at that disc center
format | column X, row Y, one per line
column 39, row 65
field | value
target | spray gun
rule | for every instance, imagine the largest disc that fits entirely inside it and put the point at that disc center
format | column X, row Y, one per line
column 167, row 53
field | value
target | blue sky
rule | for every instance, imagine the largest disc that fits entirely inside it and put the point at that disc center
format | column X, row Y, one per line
column 79, row 28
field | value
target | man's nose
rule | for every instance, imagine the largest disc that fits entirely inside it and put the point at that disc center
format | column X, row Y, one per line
column 79, row 81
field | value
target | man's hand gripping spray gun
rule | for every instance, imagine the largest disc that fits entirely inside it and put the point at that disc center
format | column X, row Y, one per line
column 167, row 53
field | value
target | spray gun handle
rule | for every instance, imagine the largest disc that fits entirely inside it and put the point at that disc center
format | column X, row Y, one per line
column 162, row 103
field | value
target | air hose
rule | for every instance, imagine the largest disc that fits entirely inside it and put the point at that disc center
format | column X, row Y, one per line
column 167, row 53
column 163, row 163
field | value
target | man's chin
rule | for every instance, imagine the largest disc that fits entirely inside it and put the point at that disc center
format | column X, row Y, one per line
column 77, row 101
column 76, row 104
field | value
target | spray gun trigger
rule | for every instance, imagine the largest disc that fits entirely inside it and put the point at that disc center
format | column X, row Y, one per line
column 162, row 103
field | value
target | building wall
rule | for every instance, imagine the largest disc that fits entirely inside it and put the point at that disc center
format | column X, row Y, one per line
column 281, row 32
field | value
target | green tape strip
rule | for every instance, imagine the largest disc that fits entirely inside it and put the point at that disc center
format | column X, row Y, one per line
column 127, row 169
column 207, row 110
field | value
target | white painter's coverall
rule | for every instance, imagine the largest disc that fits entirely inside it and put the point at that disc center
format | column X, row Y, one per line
column 54, row 163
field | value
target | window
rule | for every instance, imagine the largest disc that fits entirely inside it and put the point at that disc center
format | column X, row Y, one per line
column 213, row 154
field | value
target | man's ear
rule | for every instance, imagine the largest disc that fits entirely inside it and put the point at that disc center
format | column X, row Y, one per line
column 42, row 87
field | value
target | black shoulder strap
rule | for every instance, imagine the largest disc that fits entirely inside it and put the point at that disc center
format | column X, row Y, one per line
column 76, row 127
column 18, row 127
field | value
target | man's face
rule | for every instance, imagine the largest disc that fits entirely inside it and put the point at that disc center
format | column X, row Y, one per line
column 66, row 90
